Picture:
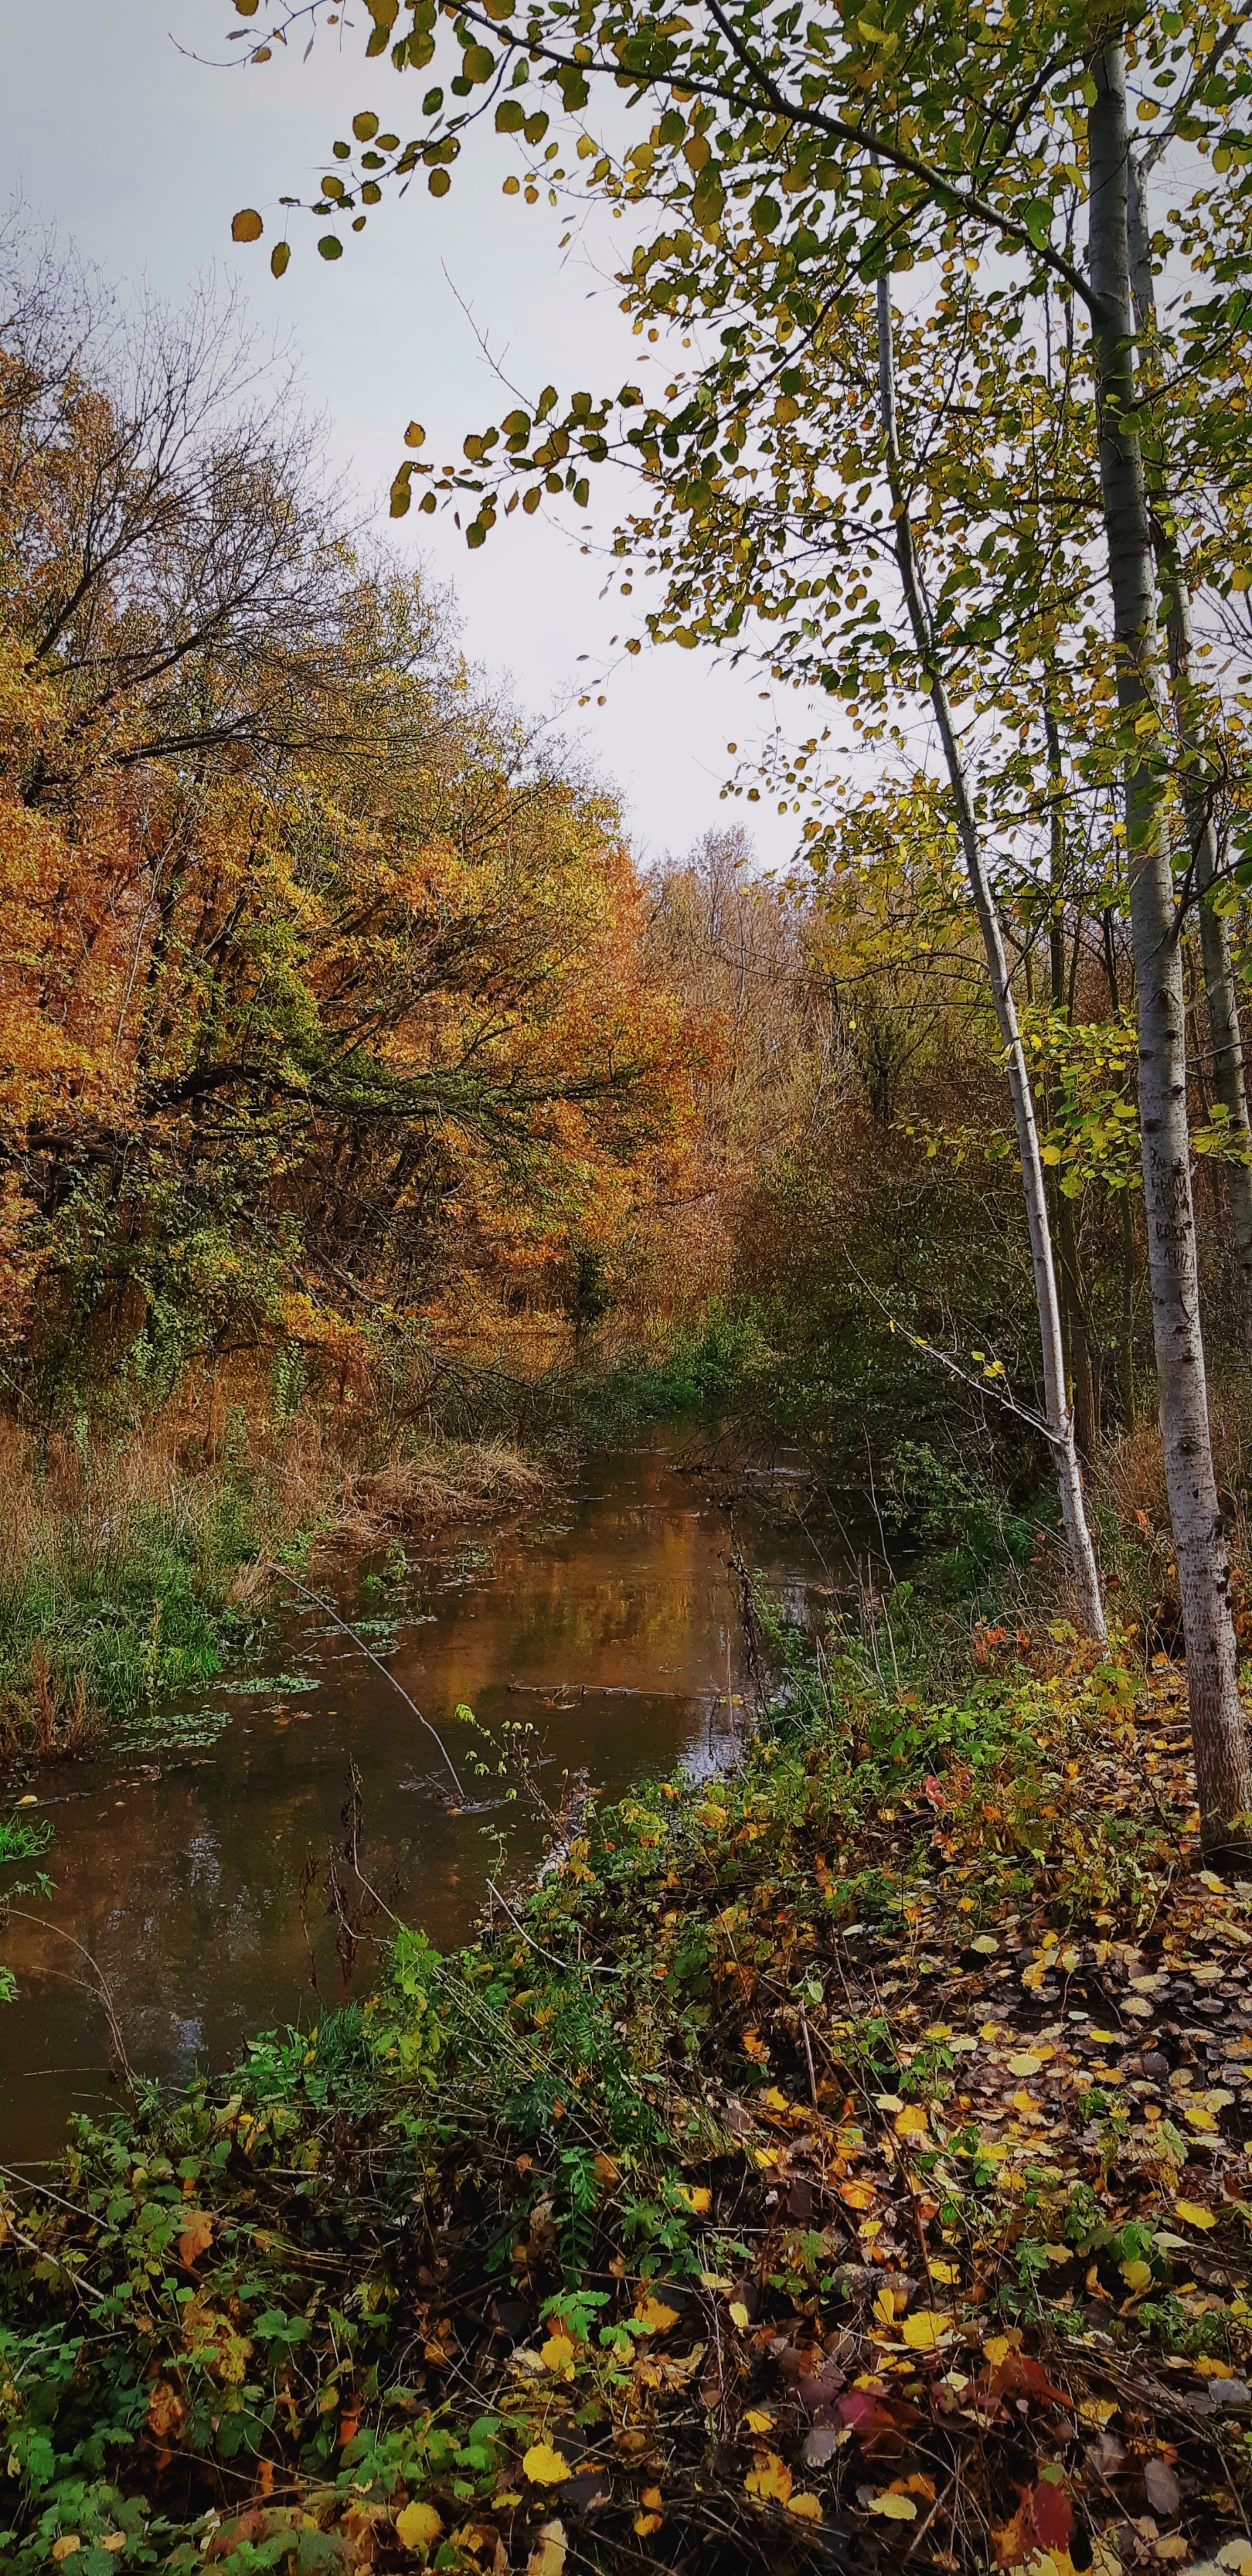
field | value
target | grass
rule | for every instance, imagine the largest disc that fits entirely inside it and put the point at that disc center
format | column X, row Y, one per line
column 133, row 1562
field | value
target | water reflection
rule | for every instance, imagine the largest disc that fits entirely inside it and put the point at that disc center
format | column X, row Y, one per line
column 613, row 1627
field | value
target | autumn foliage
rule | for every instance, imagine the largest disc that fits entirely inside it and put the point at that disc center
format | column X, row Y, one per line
column 324, row 1006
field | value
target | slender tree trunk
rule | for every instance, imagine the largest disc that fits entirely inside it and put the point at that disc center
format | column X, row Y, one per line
column 1056, row 1406
column 1222, row 1759
column 1126, row 1347
column 1080, row 1381
column 1220, row 990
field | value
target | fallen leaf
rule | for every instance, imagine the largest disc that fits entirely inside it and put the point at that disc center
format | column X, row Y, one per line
column 1194, row 2215
column 1160, row 2486
column 892, row 2507
column 911, row 2122
column 770, row 2479
column 739, row 2315
column 418, row 2526
column 858, row 2195
column 925, row 2330
column 544, row 2466
column 655, row 2317
column 196, row 2236
column 1052, row 2508
column 547, row 2558
column 698, row 2199
column 945, row 2272
column 806, row 2504
column 557, row 2353
column 1137, row 2276
column 65, row 2547
column 758, row 2419
column 646, row 2523
column 1024, row 2062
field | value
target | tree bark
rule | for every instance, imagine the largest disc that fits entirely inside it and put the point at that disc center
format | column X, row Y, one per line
column 1222, row 1760
column 1034, row 1191
column 1220, row 989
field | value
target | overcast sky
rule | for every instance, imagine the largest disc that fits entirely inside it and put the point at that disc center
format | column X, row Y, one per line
column 140, row 155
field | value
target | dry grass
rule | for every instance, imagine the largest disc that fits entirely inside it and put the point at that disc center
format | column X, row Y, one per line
column 131, row 1565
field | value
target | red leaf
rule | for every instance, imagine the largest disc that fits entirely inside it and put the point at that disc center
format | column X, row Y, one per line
column 1053, row 2508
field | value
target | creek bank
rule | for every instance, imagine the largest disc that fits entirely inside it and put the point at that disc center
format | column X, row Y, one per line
column 836, row 2162
column 140, row 1568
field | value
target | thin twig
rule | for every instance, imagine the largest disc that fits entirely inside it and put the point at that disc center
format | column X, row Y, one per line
column 379, row 1666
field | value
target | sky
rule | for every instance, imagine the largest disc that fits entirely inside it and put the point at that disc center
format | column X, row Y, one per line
column 140, row 154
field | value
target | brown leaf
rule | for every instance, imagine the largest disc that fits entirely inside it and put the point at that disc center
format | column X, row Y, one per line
column 196, row 2236
column 1160, row 2486
column 165, row 2412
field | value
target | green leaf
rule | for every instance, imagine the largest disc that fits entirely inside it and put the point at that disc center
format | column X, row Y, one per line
column 330, row 247
column 510, row 116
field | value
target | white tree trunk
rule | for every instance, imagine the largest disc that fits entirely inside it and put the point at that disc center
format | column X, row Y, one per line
column 1220, row 990
column 1222, row 1760
column 1056, row 1405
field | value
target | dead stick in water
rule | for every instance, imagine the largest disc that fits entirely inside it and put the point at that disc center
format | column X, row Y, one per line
column 379, row 1666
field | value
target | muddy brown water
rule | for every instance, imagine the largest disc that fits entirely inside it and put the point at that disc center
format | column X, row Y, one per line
column 609, row 1619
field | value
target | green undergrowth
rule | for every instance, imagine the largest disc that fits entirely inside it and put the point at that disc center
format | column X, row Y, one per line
column 787, row 2178
column 108, row 1608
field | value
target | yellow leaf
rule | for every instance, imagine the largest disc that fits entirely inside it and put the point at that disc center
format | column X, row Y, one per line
column 776, row 2101
column 1022, row 2101
column 894, row 2508
column 806, row 2504
column 924, row 2331
column 1197, row 2117
column 544, row 2466
column 944, row 2272
column 547, row 2558
column 1097, row 2410
column 1136, row 2275
column 758, row 2419
column 557, row 2353
column 698, row 2199
column 770, row 2479
column 647, row 2523
column 1024, row 2062
column 418, row 2526
column 739, row 2315
column 655, row 2317
column 911, row 2122
column 65, row 2546
column 885, row 2304
column 415, row 435
column 998, row 2347
column 652, row 2498
column 247, row 225
column 1194, row 2215
column 858, row 2195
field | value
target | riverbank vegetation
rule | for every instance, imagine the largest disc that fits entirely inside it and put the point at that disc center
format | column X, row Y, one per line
column 832, row 2162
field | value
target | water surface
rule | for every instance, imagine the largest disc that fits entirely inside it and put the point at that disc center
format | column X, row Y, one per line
column 609, row 1619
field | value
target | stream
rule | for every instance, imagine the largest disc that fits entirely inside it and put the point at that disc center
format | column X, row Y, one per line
column 608, row 1618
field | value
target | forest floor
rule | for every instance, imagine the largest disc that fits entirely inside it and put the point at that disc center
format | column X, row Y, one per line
column 838, row 2163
